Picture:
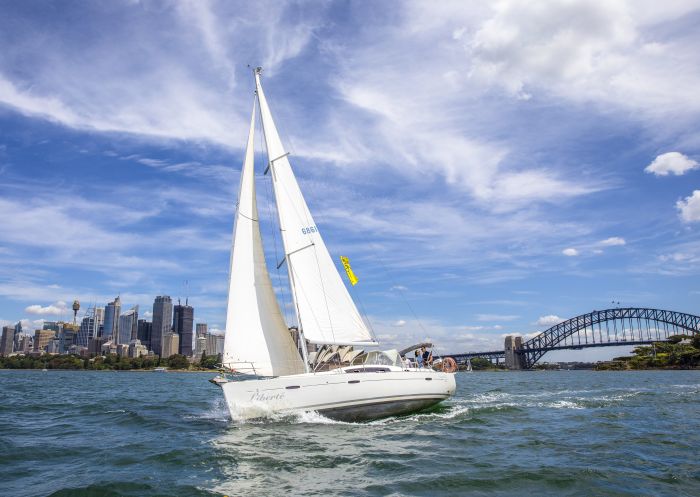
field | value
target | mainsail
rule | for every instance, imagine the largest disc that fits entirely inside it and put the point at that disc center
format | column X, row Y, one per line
column 326, row 312
column 257, row 339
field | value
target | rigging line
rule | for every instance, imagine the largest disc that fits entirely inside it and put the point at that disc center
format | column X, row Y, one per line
column 400, row 290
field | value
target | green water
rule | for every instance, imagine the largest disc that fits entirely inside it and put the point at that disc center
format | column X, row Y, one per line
column 564, row 433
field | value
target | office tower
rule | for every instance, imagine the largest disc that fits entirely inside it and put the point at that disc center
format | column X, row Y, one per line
column 7, row 342
column 111, row 323
column 128, row 326
column 42, row 339
column 170, row 344
column 143, row 333
column 201, row 329
column 25, row 344
column 51, row 325
column 18, row 335
column 183, row 318
column 90, row 326
column 162, row 320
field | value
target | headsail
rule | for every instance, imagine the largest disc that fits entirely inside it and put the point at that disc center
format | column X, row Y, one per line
column 326, row 312
column 256, row 335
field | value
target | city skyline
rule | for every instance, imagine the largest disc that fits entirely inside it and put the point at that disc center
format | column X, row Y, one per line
column 478, row 190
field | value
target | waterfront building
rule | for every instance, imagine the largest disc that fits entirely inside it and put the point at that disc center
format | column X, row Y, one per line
column 7, row 342
column 111, row 322
column 42, row 339
column 67, row 335
column 95, row 345
column 109, row 347
column 200, row 346
column 136, row 349
column 162, row 321
column 183, row 319
column 54, row 346
column 123, row 349
column 128, row 326
column 143, row 332
column 201, row 330
column 170, row 345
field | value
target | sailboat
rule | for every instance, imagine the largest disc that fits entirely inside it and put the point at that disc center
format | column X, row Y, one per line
column 268, row 371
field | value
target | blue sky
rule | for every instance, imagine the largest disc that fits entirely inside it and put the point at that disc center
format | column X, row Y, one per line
column 489, row 168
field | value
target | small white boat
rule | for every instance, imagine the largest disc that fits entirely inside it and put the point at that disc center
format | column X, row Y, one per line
column 272, row 374
column 160, row 370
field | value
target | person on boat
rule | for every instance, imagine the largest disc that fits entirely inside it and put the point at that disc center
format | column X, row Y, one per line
column 406, row 361
column 419, row 359
column 427, row 356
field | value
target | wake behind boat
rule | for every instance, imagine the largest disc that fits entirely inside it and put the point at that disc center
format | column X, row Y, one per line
column 270, row 373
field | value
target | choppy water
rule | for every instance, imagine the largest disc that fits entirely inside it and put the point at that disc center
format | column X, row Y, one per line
column 555, row 433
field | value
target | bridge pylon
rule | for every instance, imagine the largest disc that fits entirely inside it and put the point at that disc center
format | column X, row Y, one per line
column 513, row 358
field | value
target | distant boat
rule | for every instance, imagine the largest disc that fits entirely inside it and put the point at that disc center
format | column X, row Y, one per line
column 160, row 370
column 271, row 372
column 469, row 366
column 44, row 370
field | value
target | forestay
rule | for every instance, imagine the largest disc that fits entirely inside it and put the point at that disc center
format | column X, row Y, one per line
column 326, row 312
column 257, row 339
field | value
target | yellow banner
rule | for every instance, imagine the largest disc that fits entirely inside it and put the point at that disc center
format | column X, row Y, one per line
column 348, row 269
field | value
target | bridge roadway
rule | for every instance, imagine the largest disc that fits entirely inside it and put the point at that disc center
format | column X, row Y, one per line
column 500, row 354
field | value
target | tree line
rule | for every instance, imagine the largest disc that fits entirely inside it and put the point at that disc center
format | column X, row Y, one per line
column 111, row 362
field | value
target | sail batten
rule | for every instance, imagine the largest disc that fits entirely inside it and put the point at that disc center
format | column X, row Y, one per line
column 326, row 312
column 257, row 340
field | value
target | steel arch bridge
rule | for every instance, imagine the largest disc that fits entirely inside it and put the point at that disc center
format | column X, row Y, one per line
column 606, row 328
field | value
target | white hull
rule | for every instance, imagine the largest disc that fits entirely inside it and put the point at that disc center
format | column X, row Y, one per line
column 340, row 394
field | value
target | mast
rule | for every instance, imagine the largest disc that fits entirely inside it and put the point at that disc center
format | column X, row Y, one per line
column 300, row 329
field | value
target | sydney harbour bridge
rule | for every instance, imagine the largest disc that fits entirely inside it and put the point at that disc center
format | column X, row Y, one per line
column 606, row 328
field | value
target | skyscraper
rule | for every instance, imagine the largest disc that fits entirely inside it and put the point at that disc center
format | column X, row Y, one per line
column 18, row 335
column 201, row 329
column 170, row 344
column 111, row 323
column 162, row 319
column 42, row 339
column 90, row 326
column 183, row 319
column 144, row 333
column 7, row 342
column 128, row 326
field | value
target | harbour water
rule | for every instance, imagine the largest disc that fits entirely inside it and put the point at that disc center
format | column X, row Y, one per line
column 567, row 433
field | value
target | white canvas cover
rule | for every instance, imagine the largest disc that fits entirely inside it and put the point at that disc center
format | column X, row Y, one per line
column 257, row 340
column 326, row 312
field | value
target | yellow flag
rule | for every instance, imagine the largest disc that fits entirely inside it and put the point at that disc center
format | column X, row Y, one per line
column 348, row 269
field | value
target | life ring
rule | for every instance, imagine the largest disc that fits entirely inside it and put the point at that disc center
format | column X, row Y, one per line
column 449, row 365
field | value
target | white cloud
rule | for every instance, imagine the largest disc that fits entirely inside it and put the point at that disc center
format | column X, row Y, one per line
column 496, row 317
column 55, row 309
column 570, row 252
column 690, row 207
column 399, row 323
column 612, row 241
column 548, row 320
column 671, row 163
column 602, row 52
